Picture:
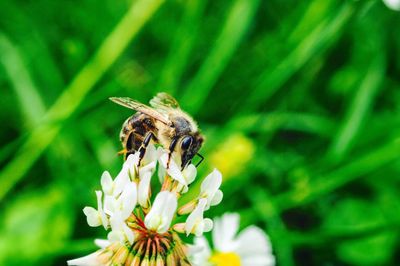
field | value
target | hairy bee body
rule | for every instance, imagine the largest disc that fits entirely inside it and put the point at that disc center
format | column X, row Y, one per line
column 134, row 131
column 165, row 124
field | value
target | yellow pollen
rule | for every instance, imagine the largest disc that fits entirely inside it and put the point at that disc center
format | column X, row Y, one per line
column 225, row 259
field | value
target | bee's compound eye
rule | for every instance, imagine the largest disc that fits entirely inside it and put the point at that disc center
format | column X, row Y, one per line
column 186, row 142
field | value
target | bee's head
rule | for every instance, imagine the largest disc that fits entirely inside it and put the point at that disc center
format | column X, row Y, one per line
column 189, row 146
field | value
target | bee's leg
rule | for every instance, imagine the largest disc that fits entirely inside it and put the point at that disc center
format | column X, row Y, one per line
column 171, row 149
column 142, row 150
column 129, row 145
column 122, row 152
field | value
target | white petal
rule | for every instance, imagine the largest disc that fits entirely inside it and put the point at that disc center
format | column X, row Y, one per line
column 217, row 198
column 393, row 4
column 130, row 236
column 92, row 216
column 110, row 205
column 148, row 168
column 132, row 161
column 161, row 213
column 169, row 210
column 199, row 252
column 184, row 189
column 116, row 236
column 264, row 260
column 102, row 243
column 225, row 229
column 120, row 231
column 128, row 172
column 120, row 181
column 129, row 199
column 153, row 221
column 253, row 234
column 103, row 216
column 195, row 218
column 116, row 222
column 208, row 225
column 150, row 155
column 212, row 182
column 106, row 183
column 173, row 170
column 161, row 173
column 190, row 173
column 89, row 260
column 210, row 186
column 143, row 190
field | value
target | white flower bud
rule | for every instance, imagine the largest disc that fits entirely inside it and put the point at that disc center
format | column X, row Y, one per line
column 144, row 189
column 195, row 222
column 124, row 204
column 174, row 171
column 163, row 210
column 96, row 217
column 210, row 189
column 107, row 184
column 120, row 231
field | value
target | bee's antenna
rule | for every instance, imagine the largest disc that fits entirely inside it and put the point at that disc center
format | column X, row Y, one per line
column 202, row 158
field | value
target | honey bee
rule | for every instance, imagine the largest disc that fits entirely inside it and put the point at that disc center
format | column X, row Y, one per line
column 163, row 123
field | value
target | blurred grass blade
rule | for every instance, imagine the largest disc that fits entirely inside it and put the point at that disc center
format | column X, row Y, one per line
column 359, row 109
column 265, row 123
column 324, row 34
column 356, row 168
column 181, row 47
column 112, row 47
column 28, row 96
column 314, row 14
column 235, row 27
column 321, row 237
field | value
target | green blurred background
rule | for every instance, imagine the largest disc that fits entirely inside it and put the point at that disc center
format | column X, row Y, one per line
column 299, row 101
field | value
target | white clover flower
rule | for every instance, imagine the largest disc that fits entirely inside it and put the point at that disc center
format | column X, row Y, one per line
column 149, row 160
column 163, row 210
column 144, row 189
column 128, row 172
column 88, row 260
column 115, row 252
column 210, row 189
column 120, row 230
column 102, row 243
column 173, row 170
column 392, row 4
column 195, row 222
column 96, row 217
column 251, row 247
column 189, row 174
column 137, row 228
column 124, row 203
column 200, row 252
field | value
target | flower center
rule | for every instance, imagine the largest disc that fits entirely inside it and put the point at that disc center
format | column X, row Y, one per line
column 225, row 259
column 152, row 247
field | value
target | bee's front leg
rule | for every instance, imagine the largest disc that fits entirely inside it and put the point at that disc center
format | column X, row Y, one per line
column 171, row 149
column 142, row 150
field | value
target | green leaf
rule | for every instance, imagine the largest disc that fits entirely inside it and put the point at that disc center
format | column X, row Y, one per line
column 351, row 214
column 34, row 226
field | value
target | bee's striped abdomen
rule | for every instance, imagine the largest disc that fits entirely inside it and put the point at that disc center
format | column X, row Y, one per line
column 134, row 130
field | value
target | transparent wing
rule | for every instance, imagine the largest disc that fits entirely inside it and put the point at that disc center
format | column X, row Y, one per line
column 164, row 102
column 140, row 107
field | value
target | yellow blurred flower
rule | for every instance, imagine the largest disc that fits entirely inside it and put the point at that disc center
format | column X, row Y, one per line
column 232, row 156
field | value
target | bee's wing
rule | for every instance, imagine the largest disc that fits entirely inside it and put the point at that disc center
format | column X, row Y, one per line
column 164, row 102
column 140, row 107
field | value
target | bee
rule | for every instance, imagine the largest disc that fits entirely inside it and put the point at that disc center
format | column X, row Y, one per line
column 164, row 123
